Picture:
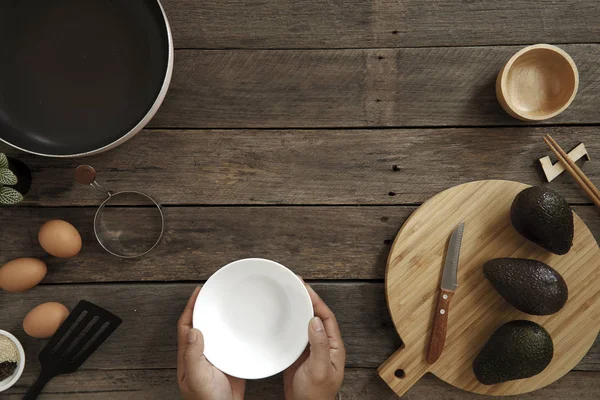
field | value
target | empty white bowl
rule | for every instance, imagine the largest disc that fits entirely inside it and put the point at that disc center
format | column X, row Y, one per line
column 11, row 380
column 254, row 316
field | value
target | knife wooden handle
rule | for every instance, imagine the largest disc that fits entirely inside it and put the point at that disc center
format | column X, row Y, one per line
column 440, row 325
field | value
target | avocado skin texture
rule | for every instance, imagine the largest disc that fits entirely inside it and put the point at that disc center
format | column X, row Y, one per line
column 517, row 350
column 528, row 285
column 544, row 217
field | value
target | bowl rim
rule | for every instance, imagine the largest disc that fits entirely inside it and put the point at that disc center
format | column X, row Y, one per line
column 9, row 382
column 294, row 277
column 515, row 57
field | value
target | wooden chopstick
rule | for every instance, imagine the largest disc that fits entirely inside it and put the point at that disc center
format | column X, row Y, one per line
column 578, row 170
column 582, row 180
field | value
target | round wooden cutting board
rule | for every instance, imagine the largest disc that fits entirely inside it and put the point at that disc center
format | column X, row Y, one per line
column 413, row 277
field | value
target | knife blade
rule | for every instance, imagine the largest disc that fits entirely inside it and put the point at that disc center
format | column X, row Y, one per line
column 447, row 288
column 449, row 276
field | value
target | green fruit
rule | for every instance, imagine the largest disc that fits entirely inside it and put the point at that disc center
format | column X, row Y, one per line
column 544, row 217
column 517, row 350
column 528, row 285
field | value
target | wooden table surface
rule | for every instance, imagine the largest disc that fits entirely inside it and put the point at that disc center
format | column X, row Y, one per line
column 305, row 132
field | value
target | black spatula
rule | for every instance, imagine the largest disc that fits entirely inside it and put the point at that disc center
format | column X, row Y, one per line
column 77, row 338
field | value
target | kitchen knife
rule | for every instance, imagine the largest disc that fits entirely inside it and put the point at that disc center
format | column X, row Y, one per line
column 447, row 289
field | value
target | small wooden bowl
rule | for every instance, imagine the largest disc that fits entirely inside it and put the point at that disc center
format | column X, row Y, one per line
column 537, row 83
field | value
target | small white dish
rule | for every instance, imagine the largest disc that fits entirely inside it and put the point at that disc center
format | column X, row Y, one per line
column 254, row 316
column 11, row 380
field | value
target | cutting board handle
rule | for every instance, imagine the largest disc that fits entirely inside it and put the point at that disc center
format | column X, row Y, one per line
column 401, row 373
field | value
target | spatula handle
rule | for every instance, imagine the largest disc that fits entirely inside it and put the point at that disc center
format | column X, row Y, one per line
column 37, row 387
column 440, row 326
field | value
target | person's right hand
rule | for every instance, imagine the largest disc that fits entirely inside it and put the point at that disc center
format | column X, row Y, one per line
column 199, row 379
column 319, row 372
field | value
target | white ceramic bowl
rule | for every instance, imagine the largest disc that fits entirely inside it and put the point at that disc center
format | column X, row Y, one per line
column 11, row 380
column 254, row 316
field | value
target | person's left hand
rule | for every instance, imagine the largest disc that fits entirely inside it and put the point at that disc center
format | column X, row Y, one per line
column 319, row 372
column 198, row 378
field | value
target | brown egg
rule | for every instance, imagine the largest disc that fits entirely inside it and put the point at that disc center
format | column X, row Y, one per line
column 22, row 274
column 43, row 321
column 60, row 239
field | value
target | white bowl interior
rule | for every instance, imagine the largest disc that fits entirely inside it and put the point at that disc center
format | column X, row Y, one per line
column 11, row 380
column 254, row 316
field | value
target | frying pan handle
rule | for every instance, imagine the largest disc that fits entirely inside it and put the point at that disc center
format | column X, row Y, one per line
column 402, row 370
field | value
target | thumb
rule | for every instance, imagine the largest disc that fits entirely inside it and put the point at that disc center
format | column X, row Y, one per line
column 319, row 360
column 194, row 361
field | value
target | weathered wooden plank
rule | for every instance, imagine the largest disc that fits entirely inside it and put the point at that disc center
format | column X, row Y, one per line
column 354, row 88
column 147, row 337
column 316, row 242
column 359, row 384
column 311, row 166
column 379, row 23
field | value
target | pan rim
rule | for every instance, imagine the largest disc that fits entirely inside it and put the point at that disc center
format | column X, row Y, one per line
column 142, row 123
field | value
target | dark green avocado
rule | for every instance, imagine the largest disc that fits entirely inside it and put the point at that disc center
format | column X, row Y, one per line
column 544, row 217
column 528, row 285
column 517, row 350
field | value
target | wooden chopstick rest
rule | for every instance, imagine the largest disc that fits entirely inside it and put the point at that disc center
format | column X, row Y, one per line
column 553, row 170
column 582, row 180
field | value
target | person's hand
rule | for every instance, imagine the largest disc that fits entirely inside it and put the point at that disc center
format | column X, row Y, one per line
column 319, row 372
column 199, row 379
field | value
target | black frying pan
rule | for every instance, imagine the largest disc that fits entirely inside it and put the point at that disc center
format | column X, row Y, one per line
column 78, row 77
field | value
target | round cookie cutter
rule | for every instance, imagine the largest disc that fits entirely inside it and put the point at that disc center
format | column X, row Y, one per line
column 128, row 224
